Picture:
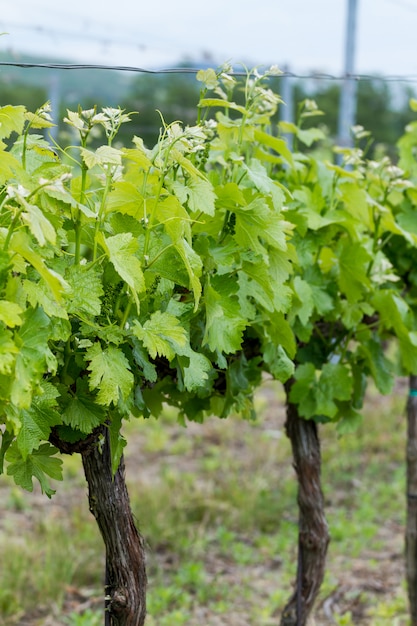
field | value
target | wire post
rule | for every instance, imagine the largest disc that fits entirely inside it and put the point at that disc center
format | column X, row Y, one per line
column 347, row 111
column 287, row 110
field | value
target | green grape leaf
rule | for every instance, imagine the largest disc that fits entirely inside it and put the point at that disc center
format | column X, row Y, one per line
column 315, row 391
column 7, row 439
column 86, row 289
column 8, row 165
column 40, row 227
column 104, row 155
column 166, row 261
column 408, row 352
column 278, row 362
column 349, row 423
column 217, row 102
column 323, row 301
column 36, row 423
column 198, row 192
column 303, row 307
column 224, row 323
column 39, row 294
column 356, row 203
column 174, row 217
column 110, row 374
column 335, row 383
column 21, row 243
column 208, row 77
column 302, row 390
column 394, row 312
column 279, row 331
column 193, row 265
column 40, row 464
column 162, row 334
column 279, row 145
column 264, row 183
column 141, row 357
column 256, row 224
column 81, row 412
column 229, row 196
column 8, row 351
column 354, row 262
column 38, row 121
column 122, row 249
column 34, row 358
column 255, row 282
column 377, row 364
column 138, row 155
column 196, row 373
column 407, row 217
column 280, row 265
column 309, row 136
column 12, row 120
column 10, row 313
column 125, row 198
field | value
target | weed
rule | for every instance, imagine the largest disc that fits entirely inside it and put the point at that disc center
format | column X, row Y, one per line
column 88, row 618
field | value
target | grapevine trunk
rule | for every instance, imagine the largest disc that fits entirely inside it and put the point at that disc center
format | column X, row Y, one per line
column 411, row 525
column 313, row 537
column 125, row 552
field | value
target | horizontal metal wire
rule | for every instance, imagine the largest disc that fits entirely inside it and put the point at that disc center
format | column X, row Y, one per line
column 191, row 70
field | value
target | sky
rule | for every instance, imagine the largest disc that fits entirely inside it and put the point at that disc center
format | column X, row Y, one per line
column 298, row 35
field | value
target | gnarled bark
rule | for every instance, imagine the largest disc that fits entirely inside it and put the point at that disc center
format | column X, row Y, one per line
column 411, row 523
column 313, row 533
column 125, row 552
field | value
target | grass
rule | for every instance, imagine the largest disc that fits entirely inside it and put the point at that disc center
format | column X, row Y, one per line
column 217, row 505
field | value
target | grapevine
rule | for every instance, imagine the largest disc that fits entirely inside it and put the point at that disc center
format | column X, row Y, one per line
column 183, row 274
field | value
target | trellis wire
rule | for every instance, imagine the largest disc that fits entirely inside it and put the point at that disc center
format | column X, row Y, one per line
column 191, row 70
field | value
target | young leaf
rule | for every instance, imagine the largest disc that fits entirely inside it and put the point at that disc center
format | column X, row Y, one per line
column 256, row 224
column 161, row 335
column 122, row 249
column 110, row 374
column 12, row 120
column 196, row 373
column 10, row 313
column 377, row 364
column 125, row 198
column 354, row 261
column 36, row 423
column 21, row 243
column 199, row 193
column 104, row 155
column 224, row 324
column 38, row 294
column 278, row 362
column 40, row 464
column 335, row 383
column 8, row 351
column 87, row 289
column 40, row 227
column 34, row 357
column 82, row 413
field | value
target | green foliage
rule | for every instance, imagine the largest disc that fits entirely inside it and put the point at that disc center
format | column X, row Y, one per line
column 382, row 111
column 180, row 274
